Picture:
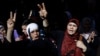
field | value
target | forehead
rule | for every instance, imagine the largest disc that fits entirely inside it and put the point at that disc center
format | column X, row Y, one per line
column 72, row 23
column 24, row 26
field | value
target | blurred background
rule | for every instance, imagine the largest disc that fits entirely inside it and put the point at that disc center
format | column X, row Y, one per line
column 57, row 10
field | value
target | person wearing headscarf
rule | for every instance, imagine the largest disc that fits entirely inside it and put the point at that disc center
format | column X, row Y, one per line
column 71, row 44
column 37, row 45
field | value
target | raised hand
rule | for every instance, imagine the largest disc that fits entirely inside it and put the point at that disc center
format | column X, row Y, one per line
column 93, row 34
column 91, row 37
column 10, row 25
column 11, row 20
column 43, row 12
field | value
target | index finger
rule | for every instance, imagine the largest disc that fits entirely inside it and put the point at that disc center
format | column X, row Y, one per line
column 39, row 6
column 43, row 6
column 11, row 14
column 14, row 18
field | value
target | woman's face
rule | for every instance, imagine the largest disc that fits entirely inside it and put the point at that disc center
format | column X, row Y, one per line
column 71, row 28
column 24, row 29
column 35, row 34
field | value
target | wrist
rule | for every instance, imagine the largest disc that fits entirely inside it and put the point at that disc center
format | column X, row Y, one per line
column 10, row 29
column 43, row 18
column 45, row 23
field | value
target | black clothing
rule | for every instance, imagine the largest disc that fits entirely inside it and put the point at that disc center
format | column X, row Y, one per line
column 58, row 36
column 91, row 47
column 41, row 46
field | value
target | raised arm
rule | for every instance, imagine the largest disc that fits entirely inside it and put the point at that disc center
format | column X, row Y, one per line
column 43, row 14
column 30, row 14
column 10, row 25
column 91, row 37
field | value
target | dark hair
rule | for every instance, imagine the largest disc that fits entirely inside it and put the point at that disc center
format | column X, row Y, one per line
column 32, row 20
column 87, row 23
column 26, row 22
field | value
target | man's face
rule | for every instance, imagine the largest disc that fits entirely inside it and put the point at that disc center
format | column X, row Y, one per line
column 71, row 28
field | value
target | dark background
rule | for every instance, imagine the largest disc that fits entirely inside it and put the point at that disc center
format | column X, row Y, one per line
column 55, row 8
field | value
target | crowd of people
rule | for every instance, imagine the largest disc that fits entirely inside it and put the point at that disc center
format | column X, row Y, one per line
column 80, row 38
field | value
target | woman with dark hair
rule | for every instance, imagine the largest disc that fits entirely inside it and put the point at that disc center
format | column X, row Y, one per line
column 24, row 25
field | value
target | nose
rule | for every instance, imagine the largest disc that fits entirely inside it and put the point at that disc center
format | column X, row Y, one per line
column 71, row 27
column 35, row 32
column 22, row 30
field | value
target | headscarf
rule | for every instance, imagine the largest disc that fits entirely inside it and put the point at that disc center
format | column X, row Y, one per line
column 31, row 27
column 68, row 47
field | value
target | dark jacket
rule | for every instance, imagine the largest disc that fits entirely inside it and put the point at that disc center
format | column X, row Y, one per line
column 41, row 46
column 58, row 36
column 91, row 47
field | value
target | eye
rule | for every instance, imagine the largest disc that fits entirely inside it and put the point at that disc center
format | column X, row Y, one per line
column 69, row 24
column 35, row 31
column 75, row 25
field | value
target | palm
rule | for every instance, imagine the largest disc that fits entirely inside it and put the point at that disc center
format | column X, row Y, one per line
column 43, row 11
column 11, row 20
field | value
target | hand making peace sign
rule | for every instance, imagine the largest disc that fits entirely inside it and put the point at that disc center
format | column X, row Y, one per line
column 43, row 12
column 11, row 20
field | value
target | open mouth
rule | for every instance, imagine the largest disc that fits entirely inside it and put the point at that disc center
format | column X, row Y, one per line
column 71, row 30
